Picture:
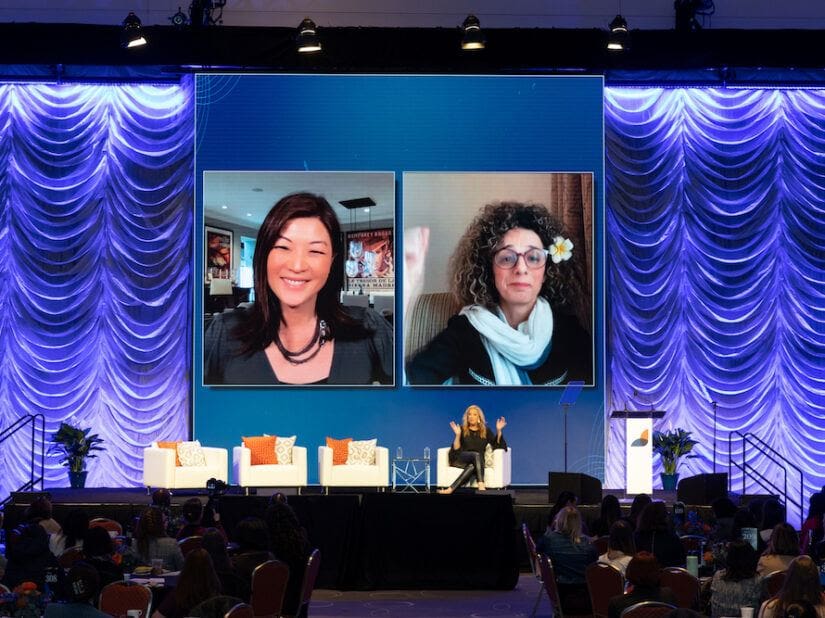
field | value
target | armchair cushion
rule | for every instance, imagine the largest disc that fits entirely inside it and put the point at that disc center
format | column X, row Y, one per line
column 340, row 450
column 262, row 449
column 172, row 446
column 191, row 454
column 283, row 447
column 361, row 452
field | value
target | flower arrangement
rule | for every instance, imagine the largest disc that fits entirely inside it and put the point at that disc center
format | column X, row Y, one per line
column 25, row 601
column 694, row 524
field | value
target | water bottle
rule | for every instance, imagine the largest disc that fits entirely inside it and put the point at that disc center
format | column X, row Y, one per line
column 426, row 452
column 399, row 453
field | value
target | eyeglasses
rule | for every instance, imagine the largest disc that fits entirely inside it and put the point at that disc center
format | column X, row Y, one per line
column 534, row 258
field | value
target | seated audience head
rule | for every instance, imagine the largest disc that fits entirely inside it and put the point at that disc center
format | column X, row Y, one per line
column 82, row 583
column 654, row 518
column 277, row 497
column 723, row 508
column 251, row 534
column 611, row 510
column 816, row 506
column 569, row 523
column 800, row 609
column 151, row 525
column 741, row 561
column 643, row 570
column 98, row 543
column 565, row 498
column 197, row 582
column 637, row 506
column 742, row 519
column 621, row 538
column 162, row 497
column 801, row 583
column 192, row 511
column 772, row 513
column 784, row 541
column 75, row 527
column 215, row 545
column 39, row 509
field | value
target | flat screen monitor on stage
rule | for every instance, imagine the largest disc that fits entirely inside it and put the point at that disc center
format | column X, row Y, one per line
column 393, row 155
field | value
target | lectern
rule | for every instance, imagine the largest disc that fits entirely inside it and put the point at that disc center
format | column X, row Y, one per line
column 638, row 448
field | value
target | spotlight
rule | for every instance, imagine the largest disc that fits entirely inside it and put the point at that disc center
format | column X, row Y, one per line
column 132, row 35
column 473, row 39
column 179, row 19
column 619, row 39
column 307, row 41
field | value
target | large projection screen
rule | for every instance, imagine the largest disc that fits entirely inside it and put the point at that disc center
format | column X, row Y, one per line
column 333, row 130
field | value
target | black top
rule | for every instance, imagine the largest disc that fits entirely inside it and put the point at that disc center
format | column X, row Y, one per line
column 664, row 544
column 359, row 361
column 458, row 352
column 474, row 442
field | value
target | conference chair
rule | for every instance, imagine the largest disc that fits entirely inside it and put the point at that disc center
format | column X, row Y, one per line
column 548, row 579
column 684, row 585
column 429, row 314
column 219, row 605
column 355, row 475
column 160, row 468
column 292, row 474
column 117, row 598
column 772, row 583
column 496, row 476
column 604, row 581
column 70, row 556
column 311, row 570
column 532, row 556
column 648, row 609
column 241, row 610
column 190, row 543
column 4, row 589
column 269, row 581
column 109, row 525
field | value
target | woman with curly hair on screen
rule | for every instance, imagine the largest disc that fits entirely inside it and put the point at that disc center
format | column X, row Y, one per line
column 516, row 276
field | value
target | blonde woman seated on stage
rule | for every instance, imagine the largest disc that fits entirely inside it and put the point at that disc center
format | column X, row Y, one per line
column 801, row 585
column 470, row 442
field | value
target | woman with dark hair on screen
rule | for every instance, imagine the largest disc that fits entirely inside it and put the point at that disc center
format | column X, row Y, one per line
column 516, row 277
column 469, row 445
column 298, row 332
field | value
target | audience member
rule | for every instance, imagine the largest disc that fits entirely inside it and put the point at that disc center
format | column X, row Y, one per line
column 72, row 534
column 610, row 513
column 288, row 542
column 29, row 557
column 620, row 546
column 813, row 532
column 743, row 519
column 724, row 511
column 655, row 534
column 197, row 583
column 99, row 550
column 801, row 586
column 773, row 513
column 232, row 584
column 151, row 541
column 571, row 553
column 738, row 585
column 162, row 499
column 565, row 498
column 82, row 588
column 783, row 547
column 640, row 501
column 192, row 514
column 643, row 574
column 40, row 511
column 252, row 537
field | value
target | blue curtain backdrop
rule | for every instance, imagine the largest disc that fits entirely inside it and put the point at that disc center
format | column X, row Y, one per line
column 716, row 269
column 95, row 283
column 715, row 244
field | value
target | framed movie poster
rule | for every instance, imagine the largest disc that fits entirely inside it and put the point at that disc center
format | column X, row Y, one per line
column 369, row 262
column 218, row 245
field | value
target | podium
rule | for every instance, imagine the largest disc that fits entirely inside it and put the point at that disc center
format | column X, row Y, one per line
column 638, row 448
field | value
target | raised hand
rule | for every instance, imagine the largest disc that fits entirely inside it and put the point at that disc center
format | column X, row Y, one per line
column 455, row 427
column 500, row 424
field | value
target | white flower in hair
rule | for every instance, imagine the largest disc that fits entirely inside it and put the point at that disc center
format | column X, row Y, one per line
column 561, row 249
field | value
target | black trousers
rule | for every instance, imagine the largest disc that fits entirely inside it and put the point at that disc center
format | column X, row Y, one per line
column 473, row 465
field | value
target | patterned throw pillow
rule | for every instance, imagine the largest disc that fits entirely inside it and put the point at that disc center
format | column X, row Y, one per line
column 339, row 450
column 361, row 452
column 488, row 457
column 173, row 446
column 283, row 446
column 262, row 450
column 191, row 454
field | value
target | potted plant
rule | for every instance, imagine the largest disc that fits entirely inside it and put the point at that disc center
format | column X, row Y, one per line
column 670, row 446
column 75, row 445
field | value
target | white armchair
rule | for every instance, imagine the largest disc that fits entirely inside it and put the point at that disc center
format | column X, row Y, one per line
column 159, row 469
column 357, row 475
column 497, row 476
column 269, row 475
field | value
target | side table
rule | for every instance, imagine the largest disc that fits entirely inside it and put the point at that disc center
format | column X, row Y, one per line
column 408, row 474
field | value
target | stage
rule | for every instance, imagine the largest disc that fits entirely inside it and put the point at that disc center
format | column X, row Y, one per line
column 374, row 540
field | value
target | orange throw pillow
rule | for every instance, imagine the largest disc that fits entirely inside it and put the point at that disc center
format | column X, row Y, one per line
column 174, row 447
column 340, row 450
column 263, row 449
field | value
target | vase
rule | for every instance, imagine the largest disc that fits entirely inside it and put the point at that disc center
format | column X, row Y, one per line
column 669, row 481
column 77, row 480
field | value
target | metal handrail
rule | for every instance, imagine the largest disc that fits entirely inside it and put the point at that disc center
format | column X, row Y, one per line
column 38, row 428
column 775, row 458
